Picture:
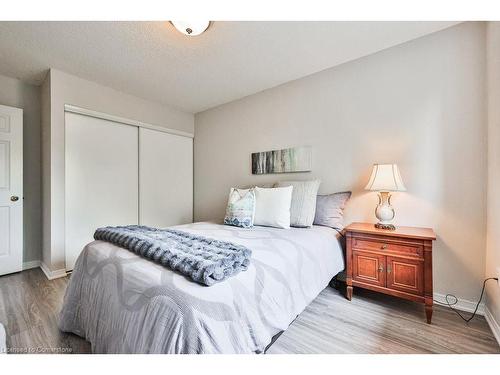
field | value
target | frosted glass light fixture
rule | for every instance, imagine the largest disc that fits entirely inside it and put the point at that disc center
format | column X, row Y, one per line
column 385, row 178
column 191, row 28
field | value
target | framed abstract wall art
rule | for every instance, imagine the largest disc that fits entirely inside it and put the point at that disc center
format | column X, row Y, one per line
column 287, row 160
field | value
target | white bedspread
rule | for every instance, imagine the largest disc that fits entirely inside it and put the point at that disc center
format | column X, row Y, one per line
column 122, row 303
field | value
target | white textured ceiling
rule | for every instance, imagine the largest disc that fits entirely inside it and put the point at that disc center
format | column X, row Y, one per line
column 231, row 60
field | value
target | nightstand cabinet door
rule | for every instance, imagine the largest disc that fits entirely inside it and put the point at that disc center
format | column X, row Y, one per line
column 406, row 275
column 368, row 268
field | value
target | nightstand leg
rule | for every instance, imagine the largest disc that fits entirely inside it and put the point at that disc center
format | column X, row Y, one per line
column 428, row 313
column 348, row 294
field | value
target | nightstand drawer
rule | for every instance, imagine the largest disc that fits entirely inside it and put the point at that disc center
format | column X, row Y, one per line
column 387, row 246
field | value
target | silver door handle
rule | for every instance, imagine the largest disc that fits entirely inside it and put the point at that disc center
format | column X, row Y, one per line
column 14, row 198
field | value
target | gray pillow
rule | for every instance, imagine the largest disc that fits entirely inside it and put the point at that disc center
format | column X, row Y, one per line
column 330, row 210
column 303, row 205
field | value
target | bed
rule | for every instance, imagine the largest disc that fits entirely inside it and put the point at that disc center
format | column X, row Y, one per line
column 122, row 303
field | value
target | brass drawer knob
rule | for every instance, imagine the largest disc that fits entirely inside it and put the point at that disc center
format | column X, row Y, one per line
column 384, row 246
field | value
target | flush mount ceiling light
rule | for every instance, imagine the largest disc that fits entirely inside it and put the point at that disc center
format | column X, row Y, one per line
column 191, row 28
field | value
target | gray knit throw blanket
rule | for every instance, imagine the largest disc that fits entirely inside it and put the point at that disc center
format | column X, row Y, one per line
column 203, row 260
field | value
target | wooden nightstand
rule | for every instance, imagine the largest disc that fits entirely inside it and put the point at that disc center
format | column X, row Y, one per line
column 396, row 262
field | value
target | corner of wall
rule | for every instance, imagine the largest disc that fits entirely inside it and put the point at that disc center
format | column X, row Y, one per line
column 493, row 183
column 46, row 167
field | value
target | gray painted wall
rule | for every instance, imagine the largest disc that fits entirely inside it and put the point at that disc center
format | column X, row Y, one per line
column 15, row 93
column 420, row 105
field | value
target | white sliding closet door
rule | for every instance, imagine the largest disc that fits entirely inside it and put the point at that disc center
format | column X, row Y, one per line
column 166, row 178
column 101, row 179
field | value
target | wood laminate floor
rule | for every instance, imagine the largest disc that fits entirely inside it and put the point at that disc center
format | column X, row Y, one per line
column 370, row 323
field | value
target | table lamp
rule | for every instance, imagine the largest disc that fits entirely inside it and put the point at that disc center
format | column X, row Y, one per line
column 384, row 179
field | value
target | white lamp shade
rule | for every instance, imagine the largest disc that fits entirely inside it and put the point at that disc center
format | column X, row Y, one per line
column 385, row 177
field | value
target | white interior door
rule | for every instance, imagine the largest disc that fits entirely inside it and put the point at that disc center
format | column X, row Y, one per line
column 11, row 189
column 166, row 178
column 101, row 179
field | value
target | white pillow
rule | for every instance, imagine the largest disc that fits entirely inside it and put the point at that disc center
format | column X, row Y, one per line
column 272, row 206
column 303, row 205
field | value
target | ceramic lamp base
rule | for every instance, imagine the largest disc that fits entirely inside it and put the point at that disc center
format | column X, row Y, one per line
column 384, row 211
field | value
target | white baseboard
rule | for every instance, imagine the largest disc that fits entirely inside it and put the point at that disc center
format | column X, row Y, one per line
column 462, row 304
column 51, row 275
column 495, row 327
column 31, row 264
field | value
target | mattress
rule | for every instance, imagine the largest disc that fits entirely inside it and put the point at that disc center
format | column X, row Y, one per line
column 122, row 303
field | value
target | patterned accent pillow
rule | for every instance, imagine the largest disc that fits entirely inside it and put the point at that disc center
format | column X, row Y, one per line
column 240, row 209
column 330, row 210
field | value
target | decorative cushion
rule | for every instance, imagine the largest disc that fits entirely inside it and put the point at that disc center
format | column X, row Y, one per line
column 303, row 205
column 240, row 209
column 272, row 206
column 330, row 210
